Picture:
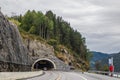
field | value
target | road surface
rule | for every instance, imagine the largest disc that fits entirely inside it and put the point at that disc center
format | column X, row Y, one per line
column 60, row 75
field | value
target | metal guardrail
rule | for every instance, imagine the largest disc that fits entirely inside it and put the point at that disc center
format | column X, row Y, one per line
column 115, row 74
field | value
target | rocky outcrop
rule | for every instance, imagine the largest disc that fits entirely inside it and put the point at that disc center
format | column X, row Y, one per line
column 39, row 50
column 12, row 50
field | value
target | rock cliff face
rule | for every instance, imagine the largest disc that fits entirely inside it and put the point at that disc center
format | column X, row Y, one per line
column 39, row 50
column 12, row 51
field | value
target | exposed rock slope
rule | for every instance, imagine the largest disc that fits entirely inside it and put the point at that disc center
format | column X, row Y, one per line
column 39, row 50
column 12, row 50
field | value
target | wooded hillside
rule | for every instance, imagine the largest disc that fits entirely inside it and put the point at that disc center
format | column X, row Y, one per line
column 55, row 31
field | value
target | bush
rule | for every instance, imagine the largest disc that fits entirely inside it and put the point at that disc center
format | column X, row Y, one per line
column 52, row 42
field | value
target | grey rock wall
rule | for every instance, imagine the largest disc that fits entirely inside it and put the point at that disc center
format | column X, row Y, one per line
column 39, row 50
column 8, row 66
column 12, row 49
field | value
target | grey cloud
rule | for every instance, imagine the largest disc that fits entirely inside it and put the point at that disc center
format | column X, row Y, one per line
column 105, row 42
column 97, row 20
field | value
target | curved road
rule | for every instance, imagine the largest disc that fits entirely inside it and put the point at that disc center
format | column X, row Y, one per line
column 60, row 75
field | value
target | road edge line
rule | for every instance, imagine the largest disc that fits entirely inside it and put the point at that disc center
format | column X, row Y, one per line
column 59, row 77
column 83, row 77
column 32, row 76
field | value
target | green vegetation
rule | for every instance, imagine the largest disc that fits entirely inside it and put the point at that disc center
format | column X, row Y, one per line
column 55, row 31
column 101, row 67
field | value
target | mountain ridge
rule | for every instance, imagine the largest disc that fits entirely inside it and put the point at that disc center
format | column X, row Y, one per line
column 97, row 56
column 103, row 58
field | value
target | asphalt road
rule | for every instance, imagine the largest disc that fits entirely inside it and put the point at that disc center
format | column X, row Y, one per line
column 60, row 75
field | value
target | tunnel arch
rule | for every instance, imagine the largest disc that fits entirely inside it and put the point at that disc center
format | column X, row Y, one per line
column 43, row 64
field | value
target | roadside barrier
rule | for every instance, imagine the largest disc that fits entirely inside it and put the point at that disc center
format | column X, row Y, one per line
column 115, row 74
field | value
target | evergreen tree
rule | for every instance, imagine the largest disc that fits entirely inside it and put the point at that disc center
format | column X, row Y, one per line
column 54, row 29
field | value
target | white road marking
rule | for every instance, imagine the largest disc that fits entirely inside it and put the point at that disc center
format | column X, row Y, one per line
column 77, row 76
column 83, row 77
column 59, row 77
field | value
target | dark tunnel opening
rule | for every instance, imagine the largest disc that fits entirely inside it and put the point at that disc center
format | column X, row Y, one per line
column 44, row 65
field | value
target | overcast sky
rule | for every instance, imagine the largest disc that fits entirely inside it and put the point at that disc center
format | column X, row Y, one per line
column 97, row 20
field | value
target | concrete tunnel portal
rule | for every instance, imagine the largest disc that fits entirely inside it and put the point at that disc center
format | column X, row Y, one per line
column 43, row 64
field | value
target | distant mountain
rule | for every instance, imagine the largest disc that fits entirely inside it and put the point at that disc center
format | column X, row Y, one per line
column 103, row 58
column 97, row 56
column 116, row 61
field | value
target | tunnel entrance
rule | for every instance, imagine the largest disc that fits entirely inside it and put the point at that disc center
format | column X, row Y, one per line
column 43, row 64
